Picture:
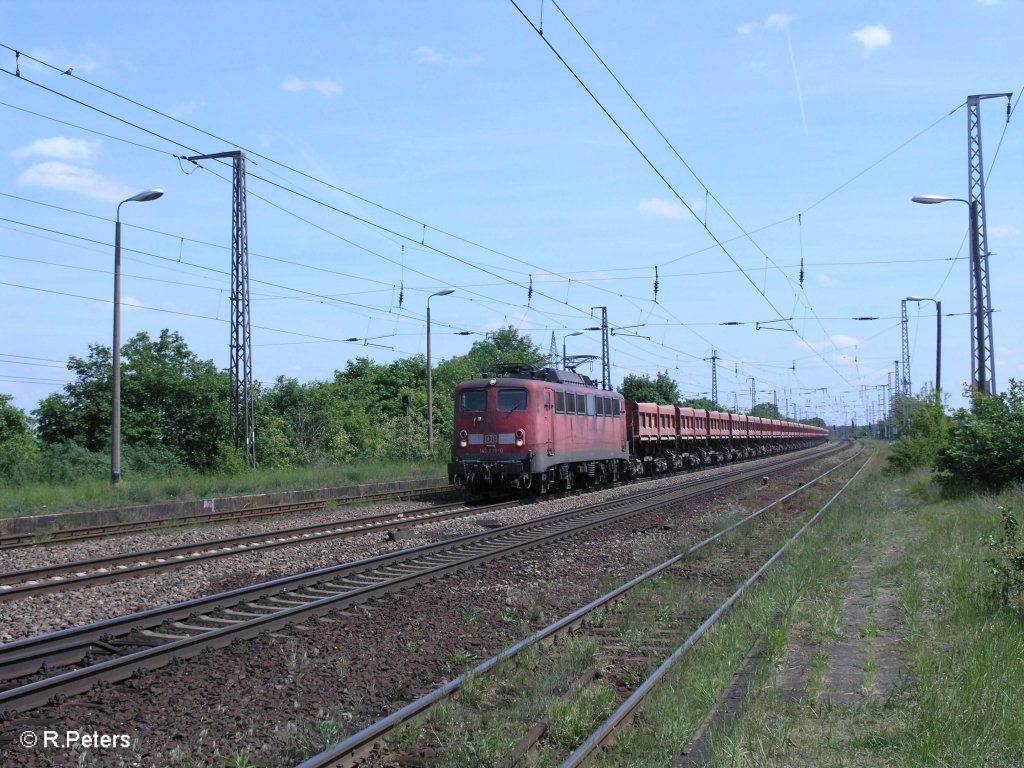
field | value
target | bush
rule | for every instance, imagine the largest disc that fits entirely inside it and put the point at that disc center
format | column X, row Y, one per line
column 152, row 460
column 925, row 436
column 70, row 462
column 985, row 451
column 18, row 461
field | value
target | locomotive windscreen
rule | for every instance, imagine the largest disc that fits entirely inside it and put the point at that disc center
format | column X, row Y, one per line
column 511, row 399
column 474, row 400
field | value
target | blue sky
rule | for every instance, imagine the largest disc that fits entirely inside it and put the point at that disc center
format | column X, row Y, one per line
column 398, row 148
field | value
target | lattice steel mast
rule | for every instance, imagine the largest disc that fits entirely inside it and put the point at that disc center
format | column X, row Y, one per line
column 906, row 352
column 982, row 370
column 243, row 421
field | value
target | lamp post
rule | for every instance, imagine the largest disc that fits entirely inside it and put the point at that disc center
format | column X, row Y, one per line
column 938, row 342
column 980, row 382
column 574, row 333
column 115, row 399
column 430, row 382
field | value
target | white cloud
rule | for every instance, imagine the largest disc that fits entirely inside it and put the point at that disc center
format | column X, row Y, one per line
column 426, row 55
column 873, row 37
column 779, row 20
column 130, row 303
column 988, row 2
column 663, row 209
column 773, row 21
column 827, row 282
column 182, row 110
column 324, row 86
column 1002, row 232
column 60, row 148
column 73, row 178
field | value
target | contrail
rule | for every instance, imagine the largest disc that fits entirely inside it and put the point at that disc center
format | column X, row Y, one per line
column 796, row 77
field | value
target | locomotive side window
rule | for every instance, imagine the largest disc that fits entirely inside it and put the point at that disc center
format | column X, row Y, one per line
column 581, row 404
column 559, row 402
column 600, row 406
column 615, row 407
column 591, row 410
column 511, row 399
column 473, row 400
column 570, row 402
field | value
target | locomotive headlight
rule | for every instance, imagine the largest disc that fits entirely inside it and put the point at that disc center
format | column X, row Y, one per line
column 520, row 438
column 463, row 441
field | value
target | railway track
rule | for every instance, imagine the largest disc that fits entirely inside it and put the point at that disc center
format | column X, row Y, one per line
column 31, row 582
column 60, row 536
column 371, row 744
column 112, row 650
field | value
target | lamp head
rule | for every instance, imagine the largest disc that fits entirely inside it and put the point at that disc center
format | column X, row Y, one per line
column 145, row 197
column 444, row 292
column 932, row 199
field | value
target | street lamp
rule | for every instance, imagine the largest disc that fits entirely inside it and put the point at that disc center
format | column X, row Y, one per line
column 574, row 333
column 115, row 400
column 430, row 383
column 980, row 383
column 938, row 342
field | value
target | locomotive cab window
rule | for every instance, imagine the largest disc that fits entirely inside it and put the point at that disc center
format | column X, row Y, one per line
column 511, row 399
column 473, row 400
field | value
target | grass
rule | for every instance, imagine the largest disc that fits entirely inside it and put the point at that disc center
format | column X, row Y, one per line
column 958, row 704
column 97, row 493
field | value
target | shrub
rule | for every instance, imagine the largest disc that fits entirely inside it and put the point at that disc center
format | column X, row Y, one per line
column 985, row 451
column 1007, row 564
column 70, row 462
column 925, row 436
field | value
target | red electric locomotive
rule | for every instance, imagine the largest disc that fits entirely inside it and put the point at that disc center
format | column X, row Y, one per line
column 536, row 430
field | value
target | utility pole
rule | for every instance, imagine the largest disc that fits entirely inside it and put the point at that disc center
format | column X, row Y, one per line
column 606, row 363
column 753, row 401
column 714, row 375
column 243, row 418
column 982, row 345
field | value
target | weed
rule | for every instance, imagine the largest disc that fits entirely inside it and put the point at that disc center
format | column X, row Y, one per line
column 407, row 737
column 240, row 760
column 569, row 722
column 1007, row 564
column 509, row 616
column 461, row 658
column 470, row 617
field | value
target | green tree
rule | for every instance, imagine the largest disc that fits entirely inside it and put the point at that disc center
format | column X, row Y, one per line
column 81, row 413
column 702, row 403
column 766, row 411
column 662, row 389
column 18, row 448
column 174, row 406
column 503, row 347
